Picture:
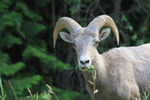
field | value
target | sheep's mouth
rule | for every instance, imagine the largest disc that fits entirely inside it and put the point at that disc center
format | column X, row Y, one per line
column 83, row 68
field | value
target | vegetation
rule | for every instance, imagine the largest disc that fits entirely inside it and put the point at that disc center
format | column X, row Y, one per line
column 27, row 57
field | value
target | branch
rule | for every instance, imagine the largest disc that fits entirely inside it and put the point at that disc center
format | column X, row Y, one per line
column 53, row 13
column 101, row 9
column 140, row 6
column 12, row 89
column 94, row 4
column 146, row 20
column 88, row 9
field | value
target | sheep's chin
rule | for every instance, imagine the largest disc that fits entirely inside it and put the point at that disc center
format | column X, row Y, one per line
column 83, row 68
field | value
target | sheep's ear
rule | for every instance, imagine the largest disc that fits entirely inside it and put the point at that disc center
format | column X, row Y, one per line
column 104, row 34
column 65, row 36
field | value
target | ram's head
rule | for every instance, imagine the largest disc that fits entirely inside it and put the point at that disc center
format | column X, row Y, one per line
column 85, row 40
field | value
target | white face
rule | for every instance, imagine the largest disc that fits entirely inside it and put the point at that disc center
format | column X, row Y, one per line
column 85, row 46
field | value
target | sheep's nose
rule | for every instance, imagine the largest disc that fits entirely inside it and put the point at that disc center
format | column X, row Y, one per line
column 84, row 62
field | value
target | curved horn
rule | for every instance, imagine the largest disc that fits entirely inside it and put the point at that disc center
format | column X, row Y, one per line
column 104, row 20
column 65, row 22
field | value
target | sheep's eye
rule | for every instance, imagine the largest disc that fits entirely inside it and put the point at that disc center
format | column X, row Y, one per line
column 72, row 44
column 96, row 43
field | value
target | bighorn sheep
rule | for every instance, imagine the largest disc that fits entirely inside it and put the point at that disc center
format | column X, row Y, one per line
column 121, row 72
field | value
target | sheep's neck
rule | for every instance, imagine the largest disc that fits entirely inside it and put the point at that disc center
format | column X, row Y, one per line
column 99, row 65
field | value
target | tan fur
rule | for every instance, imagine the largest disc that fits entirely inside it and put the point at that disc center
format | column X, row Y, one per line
column 121, row 73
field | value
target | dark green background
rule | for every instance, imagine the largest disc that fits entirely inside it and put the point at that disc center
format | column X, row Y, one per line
column 27, row 56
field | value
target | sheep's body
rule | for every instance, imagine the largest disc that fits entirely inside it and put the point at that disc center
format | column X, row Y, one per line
column 121, row 73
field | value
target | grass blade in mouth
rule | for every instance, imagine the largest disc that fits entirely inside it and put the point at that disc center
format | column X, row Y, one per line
column 83, row 68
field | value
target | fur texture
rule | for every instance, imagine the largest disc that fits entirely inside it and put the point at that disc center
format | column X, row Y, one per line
column 121, row 73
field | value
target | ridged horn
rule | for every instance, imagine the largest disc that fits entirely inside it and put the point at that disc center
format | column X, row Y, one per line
column 65, row 22
column 104, row 20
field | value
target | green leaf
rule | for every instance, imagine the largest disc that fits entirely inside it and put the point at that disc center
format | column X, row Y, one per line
column 90, row 68
column 130, row 28
column 123, row 18
column 1, row 87
column 20, row 33
column 72, row 10
column 4, row 59
column 8, row 2
column 66, row 95
column 31, row 28
column 4, row 6
column 143, row 29
column 140, row 42
column 134, row 37
column 47, row 61
column 27, row 12
column 14, row 17
column 41, row 3
column 20, row 84
column 147, row 96
column 11, row 69
column 8, row 23
column 87, row 1
column 9, row 40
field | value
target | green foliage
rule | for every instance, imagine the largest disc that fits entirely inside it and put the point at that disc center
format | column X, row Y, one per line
column 145, row 97
column 11, row 69
column 75, row 6
column 4, row 59
column 65, row 94
column 4, row 5
column 12, row 19
column 2, row 91
column 27, row 57
column 20, row 84
column 27, row 12
column 127, row 24
column 9, row 40
column 90, row 68
column 87, row 1
column 134, row 37
column 20, row 26
column 19, row 29
column 31, row 28
column 45, row 96
column 47, row 61
column 41, row 3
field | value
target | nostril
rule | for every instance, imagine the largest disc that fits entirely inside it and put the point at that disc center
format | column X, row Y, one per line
column 81, row 62
column 86, row 61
